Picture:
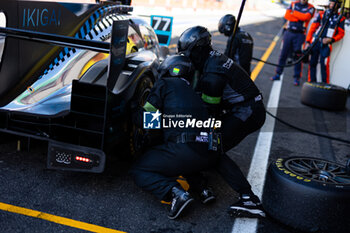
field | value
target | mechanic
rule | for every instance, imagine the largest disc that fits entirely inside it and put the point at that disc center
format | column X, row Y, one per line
column 181, row 153
column 333, row 32
column 298, row 16
column 226, row 88
column 242, row 47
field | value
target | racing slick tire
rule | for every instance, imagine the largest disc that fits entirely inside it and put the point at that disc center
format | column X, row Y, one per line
column 140, row 96
column 308, row 194
column 324, row 96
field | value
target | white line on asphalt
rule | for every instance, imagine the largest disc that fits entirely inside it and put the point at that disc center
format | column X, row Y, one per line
column 258, row 165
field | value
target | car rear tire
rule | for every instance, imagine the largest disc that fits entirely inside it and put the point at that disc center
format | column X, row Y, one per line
column 324, row 96
column 308, row 194
column 140, row 96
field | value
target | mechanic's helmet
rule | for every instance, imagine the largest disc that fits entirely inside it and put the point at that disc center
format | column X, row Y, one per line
column 197, row 36
column 226, row 24
column 176, row 66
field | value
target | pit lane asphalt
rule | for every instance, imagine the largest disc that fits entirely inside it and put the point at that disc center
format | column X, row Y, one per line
column 113, row 201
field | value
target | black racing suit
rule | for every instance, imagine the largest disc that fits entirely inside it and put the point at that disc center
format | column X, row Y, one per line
column 242, row 49
column 226, row 87
column 157, row 170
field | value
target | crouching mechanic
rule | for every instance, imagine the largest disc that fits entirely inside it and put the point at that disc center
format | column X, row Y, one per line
column 226, row 87
column 242, row 47
column 333, row 32
column 180, row 153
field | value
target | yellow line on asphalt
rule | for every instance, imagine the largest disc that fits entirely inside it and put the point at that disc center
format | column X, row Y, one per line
column 172, row 46
column 266, row 55
column 56, row 219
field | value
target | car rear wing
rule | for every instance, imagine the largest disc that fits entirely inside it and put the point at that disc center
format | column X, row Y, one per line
column 65, row 25
column 77, row 141
column 76, row 157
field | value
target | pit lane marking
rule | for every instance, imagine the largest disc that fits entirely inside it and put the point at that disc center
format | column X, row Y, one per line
column 266, row 55
column 258, row 165
column 56, row 219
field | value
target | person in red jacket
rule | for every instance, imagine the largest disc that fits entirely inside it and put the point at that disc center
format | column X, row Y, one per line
column 298, row 15
column 333, row 32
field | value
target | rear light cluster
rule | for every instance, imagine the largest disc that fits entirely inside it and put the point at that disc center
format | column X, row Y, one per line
column 75, row 158
column 83, row 159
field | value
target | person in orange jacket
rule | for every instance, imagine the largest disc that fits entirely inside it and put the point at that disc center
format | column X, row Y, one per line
column 333, row 32
column 298, row 15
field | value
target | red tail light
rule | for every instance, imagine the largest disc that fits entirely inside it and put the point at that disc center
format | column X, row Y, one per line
column 82, row 159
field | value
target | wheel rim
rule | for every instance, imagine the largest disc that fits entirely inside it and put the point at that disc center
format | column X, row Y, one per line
column 319, row 170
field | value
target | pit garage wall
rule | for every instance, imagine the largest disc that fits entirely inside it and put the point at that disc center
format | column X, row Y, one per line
column 340, row 57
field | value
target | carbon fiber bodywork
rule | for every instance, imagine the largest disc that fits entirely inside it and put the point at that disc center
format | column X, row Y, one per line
column 68, row 96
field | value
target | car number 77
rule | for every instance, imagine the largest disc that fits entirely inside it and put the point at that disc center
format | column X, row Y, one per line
column 157, row 22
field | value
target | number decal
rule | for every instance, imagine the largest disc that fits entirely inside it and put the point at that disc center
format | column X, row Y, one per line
column 157, row 20
column 162, row 26
column 167, row 23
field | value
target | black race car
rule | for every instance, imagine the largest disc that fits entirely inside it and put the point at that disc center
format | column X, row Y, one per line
column 68, row 74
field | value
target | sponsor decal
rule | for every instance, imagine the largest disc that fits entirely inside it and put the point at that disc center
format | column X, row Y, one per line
column 281, row 168
column 41, row 17
column 228, row 63
column 215, row 53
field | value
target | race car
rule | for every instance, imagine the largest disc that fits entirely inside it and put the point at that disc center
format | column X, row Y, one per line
column 69, row 72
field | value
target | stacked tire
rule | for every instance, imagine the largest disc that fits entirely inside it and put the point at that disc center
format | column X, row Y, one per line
column 324, row 96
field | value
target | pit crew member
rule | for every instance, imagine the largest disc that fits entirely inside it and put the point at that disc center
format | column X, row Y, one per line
column 298, row 16
column 242, row 47
column 226, row 88
column 333, row 32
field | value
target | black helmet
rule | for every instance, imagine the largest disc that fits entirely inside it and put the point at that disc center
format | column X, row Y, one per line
column 176, row 66
column 197, row 36
column 226, row 24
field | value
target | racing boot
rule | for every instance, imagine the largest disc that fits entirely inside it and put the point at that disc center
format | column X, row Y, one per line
column 276, row 77
column 180, row 200
column 207, row 196
column 248, row 206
